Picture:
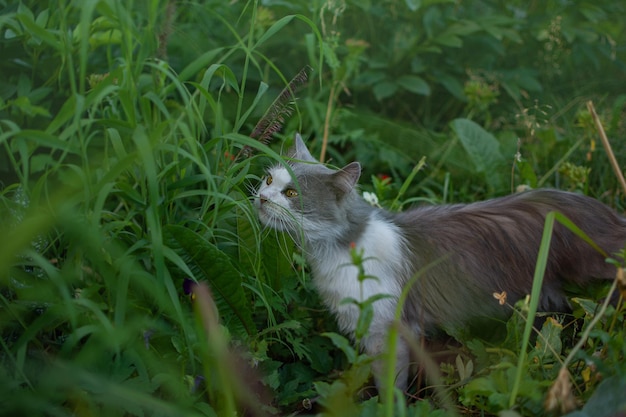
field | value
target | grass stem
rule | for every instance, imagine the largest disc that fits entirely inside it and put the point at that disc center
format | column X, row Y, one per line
column 607, row 146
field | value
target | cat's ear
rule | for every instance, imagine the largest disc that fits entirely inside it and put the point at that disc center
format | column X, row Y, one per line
column 347, row 177
column 299, row 150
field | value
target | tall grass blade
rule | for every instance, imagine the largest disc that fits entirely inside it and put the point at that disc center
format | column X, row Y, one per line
column 540, row 268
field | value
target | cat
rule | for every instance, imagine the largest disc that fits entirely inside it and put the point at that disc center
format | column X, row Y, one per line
column 464, row 253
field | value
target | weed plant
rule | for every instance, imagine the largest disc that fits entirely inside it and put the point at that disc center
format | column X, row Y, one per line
column 134, row 276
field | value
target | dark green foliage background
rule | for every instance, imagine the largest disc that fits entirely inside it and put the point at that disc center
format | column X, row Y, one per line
column 119, row 126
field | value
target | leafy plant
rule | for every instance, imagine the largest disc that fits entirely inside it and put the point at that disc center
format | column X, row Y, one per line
column 134, row 277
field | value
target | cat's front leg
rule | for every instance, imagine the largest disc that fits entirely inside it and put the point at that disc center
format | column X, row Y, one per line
column 376, row 345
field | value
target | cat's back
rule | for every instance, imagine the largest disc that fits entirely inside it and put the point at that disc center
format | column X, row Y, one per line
column 511, row 213
column 502, row 236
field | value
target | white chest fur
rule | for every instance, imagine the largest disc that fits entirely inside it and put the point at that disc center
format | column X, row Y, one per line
column 336, row 276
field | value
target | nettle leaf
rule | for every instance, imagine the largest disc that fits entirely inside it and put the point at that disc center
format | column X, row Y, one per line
column 208, row 263
column 483, row 149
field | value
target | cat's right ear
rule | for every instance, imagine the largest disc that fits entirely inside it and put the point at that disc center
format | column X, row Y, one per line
column 347, row 177
column 299, row 151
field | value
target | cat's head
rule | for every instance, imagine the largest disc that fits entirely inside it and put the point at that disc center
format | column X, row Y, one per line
column 310, row 199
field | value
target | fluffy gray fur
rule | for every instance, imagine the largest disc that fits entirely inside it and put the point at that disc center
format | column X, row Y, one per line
column 473, row 249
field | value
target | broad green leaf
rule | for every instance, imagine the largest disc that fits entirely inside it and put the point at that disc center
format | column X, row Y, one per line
column 593, row 13
column 413, row 5
column 482, row 386
column 343, row 344
column 432, row 21
column 103, row 38
column 24, row 104
column 207, row 262
column 548, row 345
column 589, row 306
column 320, row 354
column 452, row 84
column 607, row 400
column 372, row 76
column 330, row 56
column 385, row 90
column 499, row 27
column 37, row 31
column 463, row 28
column 449, row 39
column 414, row 84
column 482, row 148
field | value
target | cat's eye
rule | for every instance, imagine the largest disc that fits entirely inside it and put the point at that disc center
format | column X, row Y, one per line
column 269, row 180
column 290, row 192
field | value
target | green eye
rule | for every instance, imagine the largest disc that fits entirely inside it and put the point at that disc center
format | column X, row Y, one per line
column 269, row 180
column 290, row 192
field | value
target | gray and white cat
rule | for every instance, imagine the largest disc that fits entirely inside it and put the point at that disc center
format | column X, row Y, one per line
column 472, row 250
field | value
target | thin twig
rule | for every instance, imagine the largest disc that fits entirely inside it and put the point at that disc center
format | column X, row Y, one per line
column 329, row 112
column 607, row 146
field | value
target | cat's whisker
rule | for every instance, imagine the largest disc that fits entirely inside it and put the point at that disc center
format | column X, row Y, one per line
column 251, row 188
column 283, row 245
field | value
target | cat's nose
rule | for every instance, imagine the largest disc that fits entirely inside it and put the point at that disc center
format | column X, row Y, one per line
column 262, row 199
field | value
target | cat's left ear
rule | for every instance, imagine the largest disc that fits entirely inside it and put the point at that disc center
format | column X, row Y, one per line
column 299, row 150
column 347, row 177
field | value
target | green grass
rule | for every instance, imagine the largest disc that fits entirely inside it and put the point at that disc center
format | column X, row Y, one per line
column 118, row 188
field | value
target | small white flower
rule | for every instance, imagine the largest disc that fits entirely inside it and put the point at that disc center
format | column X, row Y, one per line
column 371, row 198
